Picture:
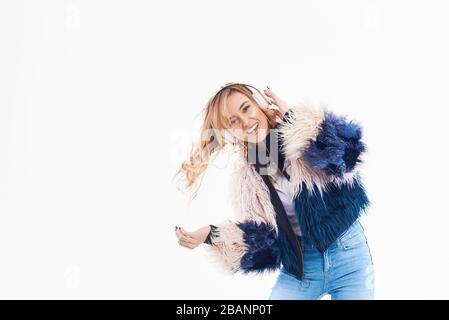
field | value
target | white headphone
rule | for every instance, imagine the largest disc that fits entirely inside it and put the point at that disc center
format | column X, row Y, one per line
column 257, row 95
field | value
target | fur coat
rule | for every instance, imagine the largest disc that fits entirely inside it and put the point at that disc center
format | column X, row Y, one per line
column 322, row 153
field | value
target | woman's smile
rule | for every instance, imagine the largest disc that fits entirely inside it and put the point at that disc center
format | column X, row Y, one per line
column 253, row 130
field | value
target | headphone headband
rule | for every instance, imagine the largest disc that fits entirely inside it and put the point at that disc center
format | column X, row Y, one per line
column 256, row 94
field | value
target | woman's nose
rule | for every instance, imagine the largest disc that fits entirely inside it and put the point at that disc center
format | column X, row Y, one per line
column 245, row 123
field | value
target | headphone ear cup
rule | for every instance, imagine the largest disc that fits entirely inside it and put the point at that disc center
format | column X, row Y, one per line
column 261, row 100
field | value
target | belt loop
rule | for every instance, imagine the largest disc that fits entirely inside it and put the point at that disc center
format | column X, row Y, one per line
column 339, row 243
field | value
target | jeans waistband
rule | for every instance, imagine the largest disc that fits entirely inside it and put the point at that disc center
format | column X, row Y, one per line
column 308, row 244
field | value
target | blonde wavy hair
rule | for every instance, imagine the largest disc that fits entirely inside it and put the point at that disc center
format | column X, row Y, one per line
column 212, row 135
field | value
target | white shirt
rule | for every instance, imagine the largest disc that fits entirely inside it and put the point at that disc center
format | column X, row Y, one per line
column 285, row 191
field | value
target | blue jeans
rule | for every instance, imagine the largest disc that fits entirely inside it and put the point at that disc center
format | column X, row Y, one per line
column 345, row 271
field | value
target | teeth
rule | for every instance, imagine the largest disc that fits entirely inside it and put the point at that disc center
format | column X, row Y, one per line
column 253, row 128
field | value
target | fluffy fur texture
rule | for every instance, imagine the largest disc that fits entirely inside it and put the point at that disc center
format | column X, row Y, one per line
column 301, row 174
column 227, row 246
column 337, row 147
column 246, row 247
column 323, row 219
column 250, row 196
column 263, row 253
column 300, row 126
column 288, row 257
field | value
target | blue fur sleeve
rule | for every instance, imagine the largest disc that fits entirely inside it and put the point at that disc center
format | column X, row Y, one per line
column 337, row 147
column 263, row 253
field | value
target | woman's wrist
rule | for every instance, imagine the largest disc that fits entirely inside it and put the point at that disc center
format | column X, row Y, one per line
column 208, row 239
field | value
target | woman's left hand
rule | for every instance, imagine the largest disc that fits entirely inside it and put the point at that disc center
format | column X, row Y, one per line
column 278, row 102
column 192, row 239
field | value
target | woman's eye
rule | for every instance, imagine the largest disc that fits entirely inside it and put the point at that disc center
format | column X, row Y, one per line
column 245, row 108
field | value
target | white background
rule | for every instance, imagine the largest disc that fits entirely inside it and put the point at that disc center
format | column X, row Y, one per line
column 101, row 100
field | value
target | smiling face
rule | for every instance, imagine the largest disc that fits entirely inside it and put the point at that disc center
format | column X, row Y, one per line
column 246, row 120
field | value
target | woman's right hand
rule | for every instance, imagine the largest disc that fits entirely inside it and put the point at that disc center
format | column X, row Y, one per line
column 192, row 239
column 278, row 102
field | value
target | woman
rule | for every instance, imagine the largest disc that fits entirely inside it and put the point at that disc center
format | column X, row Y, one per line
column 298, row 192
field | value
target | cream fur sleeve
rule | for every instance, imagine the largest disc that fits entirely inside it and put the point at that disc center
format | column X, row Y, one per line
column 248, row 247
